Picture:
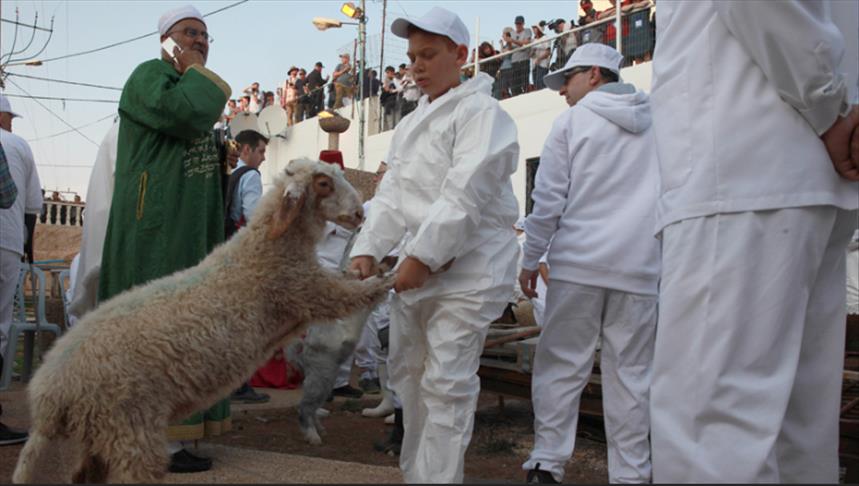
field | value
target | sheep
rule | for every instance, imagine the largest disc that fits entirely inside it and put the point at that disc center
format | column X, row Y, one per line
column 114, row 381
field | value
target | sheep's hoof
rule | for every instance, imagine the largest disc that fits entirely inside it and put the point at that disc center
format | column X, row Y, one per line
column 321, row 412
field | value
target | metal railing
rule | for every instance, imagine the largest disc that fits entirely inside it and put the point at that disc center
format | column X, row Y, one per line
column 61, row 213
column 637, row 42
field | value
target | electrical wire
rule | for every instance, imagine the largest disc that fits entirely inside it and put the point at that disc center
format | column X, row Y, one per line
column 13, row 83
column 69, row 131
column 63, row 81
column 55, row 98
column 116, row 44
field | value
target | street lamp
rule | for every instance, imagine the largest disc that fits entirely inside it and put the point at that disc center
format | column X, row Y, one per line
column 350, row 10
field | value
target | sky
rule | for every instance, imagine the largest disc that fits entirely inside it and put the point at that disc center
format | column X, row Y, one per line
column 255, row 41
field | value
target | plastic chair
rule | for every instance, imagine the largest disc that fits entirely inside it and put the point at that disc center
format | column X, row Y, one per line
column 30, row 327
column 61, row 282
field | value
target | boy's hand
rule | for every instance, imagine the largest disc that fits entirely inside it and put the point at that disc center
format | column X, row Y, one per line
column 528, row 282
column 364, row 266
column 412, row 274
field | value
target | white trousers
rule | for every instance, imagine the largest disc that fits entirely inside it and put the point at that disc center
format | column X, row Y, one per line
column 435, row 351
column 10, row 265
column 750, row 347
column 576, row 316
column 368, row 353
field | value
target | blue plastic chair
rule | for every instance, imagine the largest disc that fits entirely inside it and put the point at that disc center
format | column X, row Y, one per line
column 28, row 326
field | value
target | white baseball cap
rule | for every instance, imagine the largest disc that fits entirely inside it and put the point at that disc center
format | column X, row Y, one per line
column 6, row 107
column 437, row 21
column 171, row 17
column 591, row 54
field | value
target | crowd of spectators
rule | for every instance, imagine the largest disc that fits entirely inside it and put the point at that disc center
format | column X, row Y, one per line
column 522, row 70
column 304, row 94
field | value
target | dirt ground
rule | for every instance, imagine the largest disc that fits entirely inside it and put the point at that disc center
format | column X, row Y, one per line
column 502, row 439
column 501, row 442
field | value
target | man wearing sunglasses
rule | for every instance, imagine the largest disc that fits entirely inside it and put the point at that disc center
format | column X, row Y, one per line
column 167, row 206
column 595, row 201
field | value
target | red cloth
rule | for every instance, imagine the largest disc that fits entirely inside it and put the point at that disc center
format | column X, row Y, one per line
column 277, row 373
column 332, row 157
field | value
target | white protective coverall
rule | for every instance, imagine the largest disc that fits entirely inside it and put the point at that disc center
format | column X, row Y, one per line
column 755, row 222
column 594, row 209
column 98, row 199
column 330, row 253
column 448, row 184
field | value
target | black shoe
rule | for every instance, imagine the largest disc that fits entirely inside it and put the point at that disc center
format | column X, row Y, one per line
column 394, row 442
column 185, row 462
column 9, row 436
column 347, row 391
column 371, row 386
column 246, row 394
column 540, row 477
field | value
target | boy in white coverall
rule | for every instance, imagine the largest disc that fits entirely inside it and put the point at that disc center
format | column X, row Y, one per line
column 594, row 206
column 448, row 185
column 753, row 120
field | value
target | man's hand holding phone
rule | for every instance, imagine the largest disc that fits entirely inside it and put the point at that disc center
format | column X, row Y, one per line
column 182, row 58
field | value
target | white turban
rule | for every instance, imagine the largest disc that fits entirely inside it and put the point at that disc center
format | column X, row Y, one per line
column 170, row 18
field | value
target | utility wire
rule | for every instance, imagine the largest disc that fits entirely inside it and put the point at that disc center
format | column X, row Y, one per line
column 52, row 113
column 63, row 81
column 69, row 131
column 54, row 98
column 25, row 25
column 115, row 44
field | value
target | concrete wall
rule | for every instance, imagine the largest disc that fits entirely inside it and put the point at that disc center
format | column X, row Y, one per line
column 533, row 113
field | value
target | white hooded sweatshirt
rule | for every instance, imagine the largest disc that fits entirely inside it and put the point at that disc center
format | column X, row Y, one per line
column 595, row 192
column 448, row 185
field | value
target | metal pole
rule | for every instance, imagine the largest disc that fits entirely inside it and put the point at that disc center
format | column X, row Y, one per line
column 477, row 46
column 617, row 27
column 382, row 67
column 362, row 39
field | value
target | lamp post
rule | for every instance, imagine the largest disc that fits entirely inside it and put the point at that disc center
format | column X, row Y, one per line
column 357, row 13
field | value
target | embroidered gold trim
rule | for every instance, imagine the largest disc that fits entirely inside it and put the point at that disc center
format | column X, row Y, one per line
column 141, row 194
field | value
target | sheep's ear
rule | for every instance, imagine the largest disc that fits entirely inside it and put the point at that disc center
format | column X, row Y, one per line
column 289, row 209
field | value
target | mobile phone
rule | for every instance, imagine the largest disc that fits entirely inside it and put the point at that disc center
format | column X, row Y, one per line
column 168, row 45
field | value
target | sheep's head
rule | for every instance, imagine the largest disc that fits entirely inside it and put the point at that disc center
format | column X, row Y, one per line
column 318, row 187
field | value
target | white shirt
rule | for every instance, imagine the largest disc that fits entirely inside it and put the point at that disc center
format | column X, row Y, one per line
column 741, row 93
column 22, row 167
column 448, row 185
column 331, row 248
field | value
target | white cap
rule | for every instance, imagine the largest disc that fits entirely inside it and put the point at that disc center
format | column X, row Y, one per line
column 591, row 54
column 6, row 107
column 170, row 17
column 437, row 21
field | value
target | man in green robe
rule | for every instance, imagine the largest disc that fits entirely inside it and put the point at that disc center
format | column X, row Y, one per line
column 167, row 209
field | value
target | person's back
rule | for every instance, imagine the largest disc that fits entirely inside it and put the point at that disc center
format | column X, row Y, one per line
column 753, row 116
column 605, row 235
column 706, row 160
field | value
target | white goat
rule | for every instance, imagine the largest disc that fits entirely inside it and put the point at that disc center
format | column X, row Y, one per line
column 164, row 350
